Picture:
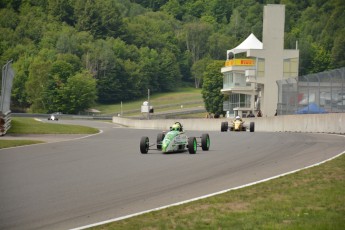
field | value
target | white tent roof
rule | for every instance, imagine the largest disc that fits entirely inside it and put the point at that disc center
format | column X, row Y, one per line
column 251, row 42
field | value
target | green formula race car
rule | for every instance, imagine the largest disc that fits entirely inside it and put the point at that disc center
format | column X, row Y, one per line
column 175, row 140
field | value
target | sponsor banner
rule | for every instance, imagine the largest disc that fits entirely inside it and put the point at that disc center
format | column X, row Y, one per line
column 240, row 62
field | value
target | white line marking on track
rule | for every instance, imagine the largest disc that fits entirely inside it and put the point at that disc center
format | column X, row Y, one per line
column 202, row 197
column 44, row 143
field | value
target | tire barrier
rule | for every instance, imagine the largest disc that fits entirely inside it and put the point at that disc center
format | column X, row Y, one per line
column 5, row 99
column 5, row 123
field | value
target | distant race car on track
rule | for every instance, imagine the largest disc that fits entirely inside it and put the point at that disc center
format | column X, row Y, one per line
column 53, row 117
column 237, row 125
column 175, row 140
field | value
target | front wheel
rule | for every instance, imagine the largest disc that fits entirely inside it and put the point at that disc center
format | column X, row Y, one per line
column 251, row 126
column 205, row 142
column 144, row 145
column 192, row 145
column 224, row 126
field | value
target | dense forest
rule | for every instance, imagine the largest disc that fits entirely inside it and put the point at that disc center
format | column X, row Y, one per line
column 69, row 54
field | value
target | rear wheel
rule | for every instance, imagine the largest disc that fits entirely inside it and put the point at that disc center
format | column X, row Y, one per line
column 224, row 126
column 192, row 145
column 160, row 138
column 144, row 145
column 205, row 142
column 251, row 126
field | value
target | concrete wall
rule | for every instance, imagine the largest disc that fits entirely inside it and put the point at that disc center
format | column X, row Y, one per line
column 273, row 52
column 316, row 123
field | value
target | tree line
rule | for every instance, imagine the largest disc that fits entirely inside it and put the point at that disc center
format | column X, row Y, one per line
column 69, row 54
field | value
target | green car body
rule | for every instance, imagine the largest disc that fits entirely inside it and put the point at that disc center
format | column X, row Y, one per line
column 174, row 141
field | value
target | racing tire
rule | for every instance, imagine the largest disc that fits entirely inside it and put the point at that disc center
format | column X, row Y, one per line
column 251, row 126
column 205, row 142
column 144, row 145
column 192, row 145
column 224, row 126
column 160, row 138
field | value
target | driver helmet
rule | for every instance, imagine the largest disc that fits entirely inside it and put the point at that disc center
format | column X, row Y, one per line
column 175, row 127
column 238, row 118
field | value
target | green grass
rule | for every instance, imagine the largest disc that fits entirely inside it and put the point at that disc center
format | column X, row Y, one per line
column 188, row 97
column 194, row 115
column 15, row 143
column 21, row 125
column 310, row 199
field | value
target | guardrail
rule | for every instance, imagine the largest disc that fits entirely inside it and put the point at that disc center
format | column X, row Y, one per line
column 170, row 114
column 65, row 116
column 156, row 107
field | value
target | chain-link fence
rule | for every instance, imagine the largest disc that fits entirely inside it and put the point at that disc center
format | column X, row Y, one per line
column 314, row 93
column 5, row 98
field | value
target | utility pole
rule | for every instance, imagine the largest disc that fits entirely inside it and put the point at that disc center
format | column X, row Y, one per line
column 148, row 96
column 148, row 100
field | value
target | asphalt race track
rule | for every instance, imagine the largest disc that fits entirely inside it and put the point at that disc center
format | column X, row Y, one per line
column 74, row 183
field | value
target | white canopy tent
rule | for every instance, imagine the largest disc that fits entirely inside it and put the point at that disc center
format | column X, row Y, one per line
column 251, row 42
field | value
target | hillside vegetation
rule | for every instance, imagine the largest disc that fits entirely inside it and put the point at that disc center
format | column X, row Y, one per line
column 186, row 97
column 70, row 54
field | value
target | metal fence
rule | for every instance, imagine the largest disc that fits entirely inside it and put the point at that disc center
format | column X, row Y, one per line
column 5, row 98
column 314, row 93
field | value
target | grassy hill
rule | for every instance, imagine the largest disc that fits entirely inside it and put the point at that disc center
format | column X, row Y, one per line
column 183, row 98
